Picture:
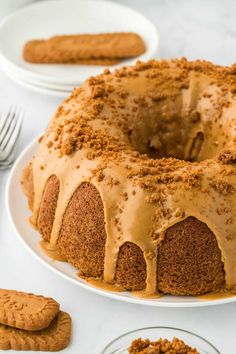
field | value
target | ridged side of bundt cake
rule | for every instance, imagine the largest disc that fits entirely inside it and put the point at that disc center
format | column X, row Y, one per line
column 82, row 237
column 134, row 179
column 48, row 207
column 189, row 259
column 131, row 267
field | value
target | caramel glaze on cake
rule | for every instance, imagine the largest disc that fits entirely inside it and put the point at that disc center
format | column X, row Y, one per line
column 134, row 179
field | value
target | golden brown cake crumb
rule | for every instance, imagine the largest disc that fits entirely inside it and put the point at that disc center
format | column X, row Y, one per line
column 227, row 157
column 161, row 346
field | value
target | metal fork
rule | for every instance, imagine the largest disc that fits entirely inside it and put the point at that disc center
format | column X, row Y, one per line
column 10, row 126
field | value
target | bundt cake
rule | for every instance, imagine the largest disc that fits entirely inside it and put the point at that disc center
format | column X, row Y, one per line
column 134, row 179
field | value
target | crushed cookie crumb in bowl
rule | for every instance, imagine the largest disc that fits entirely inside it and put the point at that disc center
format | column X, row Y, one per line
column 136, row 342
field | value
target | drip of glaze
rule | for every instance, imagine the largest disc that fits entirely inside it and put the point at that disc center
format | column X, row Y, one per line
column 216, row 296
column 50, row 252
column 101, row 284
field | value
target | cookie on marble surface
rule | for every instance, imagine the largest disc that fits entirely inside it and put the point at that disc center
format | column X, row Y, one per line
column 26, row 311
column 53, row 338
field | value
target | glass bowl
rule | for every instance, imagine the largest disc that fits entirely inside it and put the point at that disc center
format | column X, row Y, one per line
column 121, row 344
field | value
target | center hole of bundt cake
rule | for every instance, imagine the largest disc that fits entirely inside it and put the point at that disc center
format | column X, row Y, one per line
column 167, row 130
column 167, row 142
column 189, row 151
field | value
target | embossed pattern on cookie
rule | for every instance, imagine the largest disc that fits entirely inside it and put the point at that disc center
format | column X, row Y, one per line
column 26, row 311
column 53, row 338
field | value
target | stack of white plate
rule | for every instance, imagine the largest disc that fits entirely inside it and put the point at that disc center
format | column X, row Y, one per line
column 48, row 18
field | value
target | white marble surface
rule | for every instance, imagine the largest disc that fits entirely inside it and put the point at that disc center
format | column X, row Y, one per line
column 195, row 29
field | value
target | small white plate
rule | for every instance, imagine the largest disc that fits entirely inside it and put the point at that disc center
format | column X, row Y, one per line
column 37, row 87
column 47, row 18
column 19, row 214
column 10, row 71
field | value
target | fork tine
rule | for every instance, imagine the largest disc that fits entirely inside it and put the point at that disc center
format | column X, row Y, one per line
column 9, row 140
column 4, row 118
column 18, row 113
column 6, row 124
column 9, row 133
column 6, row 165
column 15, row 134
column 8, row 161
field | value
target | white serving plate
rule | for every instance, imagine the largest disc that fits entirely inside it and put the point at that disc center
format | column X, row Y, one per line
column 19, row 214
column 46, row 18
